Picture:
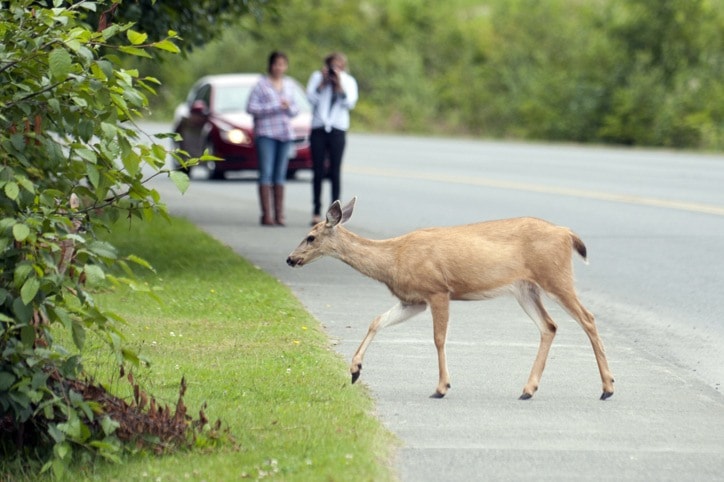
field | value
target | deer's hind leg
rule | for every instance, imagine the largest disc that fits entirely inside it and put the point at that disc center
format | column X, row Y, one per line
column 569, row 301
column 528, row 296
column 397, row 314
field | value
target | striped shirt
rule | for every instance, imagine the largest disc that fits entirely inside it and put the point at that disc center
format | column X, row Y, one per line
column 270, row 119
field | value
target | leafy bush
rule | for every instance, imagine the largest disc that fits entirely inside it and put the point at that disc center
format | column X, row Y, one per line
column 71, row 162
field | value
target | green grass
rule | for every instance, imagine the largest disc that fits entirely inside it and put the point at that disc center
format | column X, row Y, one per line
column 251, row 352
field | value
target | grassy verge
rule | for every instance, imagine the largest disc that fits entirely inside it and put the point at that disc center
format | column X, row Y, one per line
column 251, row 352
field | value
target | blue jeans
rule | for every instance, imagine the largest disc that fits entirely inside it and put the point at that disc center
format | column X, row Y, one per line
column 273, row 158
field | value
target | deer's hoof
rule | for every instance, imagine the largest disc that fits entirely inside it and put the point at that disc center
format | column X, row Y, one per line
column 439, row 394
column 525, row 396
column 606, row 395
column 355, row 375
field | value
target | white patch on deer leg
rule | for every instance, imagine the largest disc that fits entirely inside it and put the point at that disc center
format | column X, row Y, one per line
column 397, row 314
column 528, row 296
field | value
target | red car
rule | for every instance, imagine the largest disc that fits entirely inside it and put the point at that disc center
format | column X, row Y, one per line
column 214, row 118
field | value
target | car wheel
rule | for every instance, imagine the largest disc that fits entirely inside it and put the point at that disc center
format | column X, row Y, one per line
column 210, row 166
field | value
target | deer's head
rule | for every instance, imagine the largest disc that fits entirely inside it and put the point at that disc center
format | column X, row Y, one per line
column 321, row 240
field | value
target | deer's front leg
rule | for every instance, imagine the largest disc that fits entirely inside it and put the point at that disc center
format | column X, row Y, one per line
column 440, row 307
column 397, row 314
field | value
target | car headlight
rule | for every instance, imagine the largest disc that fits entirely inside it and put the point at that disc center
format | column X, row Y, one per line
column 235, row 136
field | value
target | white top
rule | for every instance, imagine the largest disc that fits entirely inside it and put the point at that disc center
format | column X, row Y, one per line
column 336, row 117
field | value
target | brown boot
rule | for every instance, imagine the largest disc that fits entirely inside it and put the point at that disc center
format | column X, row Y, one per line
column 265, row 201
column 279, row 204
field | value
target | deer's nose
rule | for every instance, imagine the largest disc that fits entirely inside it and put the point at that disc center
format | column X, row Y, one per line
column 291, row 262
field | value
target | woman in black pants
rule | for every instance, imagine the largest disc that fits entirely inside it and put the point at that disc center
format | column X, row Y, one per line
column 332, row 93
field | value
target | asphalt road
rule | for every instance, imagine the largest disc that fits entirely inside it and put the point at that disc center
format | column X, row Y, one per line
column 653, row 222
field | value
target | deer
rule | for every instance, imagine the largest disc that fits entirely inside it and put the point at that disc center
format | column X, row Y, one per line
column 431, row 267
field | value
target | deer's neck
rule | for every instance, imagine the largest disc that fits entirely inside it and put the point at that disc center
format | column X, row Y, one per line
column 370, row 257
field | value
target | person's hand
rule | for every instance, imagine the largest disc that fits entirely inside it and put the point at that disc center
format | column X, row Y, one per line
column 284, row 103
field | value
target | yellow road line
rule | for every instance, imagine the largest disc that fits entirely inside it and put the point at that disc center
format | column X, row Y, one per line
column 540, row 188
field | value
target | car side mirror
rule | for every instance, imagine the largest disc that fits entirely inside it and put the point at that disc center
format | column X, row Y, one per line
column 199, row 107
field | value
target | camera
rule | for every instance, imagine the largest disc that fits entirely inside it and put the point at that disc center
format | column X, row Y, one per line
column 330, row 70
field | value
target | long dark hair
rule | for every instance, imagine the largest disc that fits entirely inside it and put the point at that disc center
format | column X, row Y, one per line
column 273, row 58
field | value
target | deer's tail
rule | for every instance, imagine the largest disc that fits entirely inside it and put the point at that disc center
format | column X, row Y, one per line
column 579, row 246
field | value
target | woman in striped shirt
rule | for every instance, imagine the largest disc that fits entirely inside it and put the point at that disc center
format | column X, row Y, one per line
column 272, row 105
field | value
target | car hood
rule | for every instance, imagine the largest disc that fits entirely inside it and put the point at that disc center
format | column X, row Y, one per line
column 236, row 119
column 302, row 123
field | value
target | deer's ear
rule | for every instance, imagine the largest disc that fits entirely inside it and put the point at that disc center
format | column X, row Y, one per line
column 334, row 214
column 347, row 210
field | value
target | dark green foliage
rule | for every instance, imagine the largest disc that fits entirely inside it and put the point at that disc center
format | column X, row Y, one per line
column 196, row 22
column 71, row 162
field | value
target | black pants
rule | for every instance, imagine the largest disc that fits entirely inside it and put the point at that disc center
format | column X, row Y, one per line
column 326, row 146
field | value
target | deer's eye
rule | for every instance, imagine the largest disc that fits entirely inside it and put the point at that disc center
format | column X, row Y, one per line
column 310, row 239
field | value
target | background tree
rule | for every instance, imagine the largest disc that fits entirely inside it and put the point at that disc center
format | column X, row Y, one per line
column 641, row 72
column 196, row 23
column 668, row 89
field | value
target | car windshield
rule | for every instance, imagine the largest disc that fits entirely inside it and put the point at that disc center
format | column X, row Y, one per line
column 300, row 97
column 233, row 98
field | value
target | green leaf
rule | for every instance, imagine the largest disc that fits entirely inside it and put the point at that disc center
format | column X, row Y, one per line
column 167, row 45
column 26, row 184
column 18, row 141
column 86, row 130
column 130, row 356
column 54, row 105
column 62, row 449
column 57, row 435
column 109, row 425
column 21, row 232
column 27, row 335
column 60, row 314
column 88, row 6
column 22, row 312
column 181, row 180
column 87, row 154
column 93, row 174
column 94, row 274
column 29, row 290
column 134, row 51
column 109, row 131
column 12, row 190
column 140, row 261
column 59, row 61
column 78, row 334
column 39, row 380
column 131, row 162
column 22, row 271
column 110, row 31
column 136, row 38
column 103, row 249
column 159, row 152
column 6, row 380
